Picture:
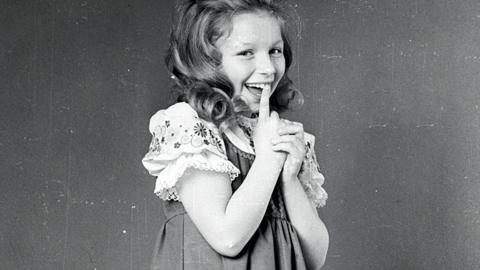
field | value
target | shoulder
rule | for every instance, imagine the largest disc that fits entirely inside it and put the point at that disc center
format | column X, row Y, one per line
column 179, row 127
column 181, row 140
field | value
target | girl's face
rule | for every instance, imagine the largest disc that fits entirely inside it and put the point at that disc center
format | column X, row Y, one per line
column 252, row 56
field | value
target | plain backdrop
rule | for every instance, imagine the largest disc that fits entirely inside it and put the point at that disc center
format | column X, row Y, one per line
column 391, row 93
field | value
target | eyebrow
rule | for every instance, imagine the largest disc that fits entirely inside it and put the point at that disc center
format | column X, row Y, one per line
column 251, row 43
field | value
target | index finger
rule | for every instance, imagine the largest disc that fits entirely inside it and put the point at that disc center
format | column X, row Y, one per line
column 264, row 107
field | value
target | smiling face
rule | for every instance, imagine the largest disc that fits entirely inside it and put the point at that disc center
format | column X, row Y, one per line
column 252, row 56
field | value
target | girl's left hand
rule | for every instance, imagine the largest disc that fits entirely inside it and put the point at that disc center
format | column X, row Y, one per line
column 291, row 140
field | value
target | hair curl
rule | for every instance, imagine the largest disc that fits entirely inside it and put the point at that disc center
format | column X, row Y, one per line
column 193, row 59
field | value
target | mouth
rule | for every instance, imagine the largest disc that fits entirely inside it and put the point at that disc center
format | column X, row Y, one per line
column 257, row 88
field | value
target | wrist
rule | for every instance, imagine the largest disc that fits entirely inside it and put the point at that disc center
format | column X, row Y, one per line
column 271, row 157
column 289, row 180
column 274, row 162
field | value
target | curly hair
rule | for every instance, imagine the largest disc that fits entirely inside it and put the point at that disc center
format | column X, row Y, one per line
column 194, row 61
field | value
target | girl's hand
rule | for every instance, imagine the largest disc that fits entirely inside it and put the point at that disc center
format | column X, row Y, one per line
column 266, row 130
column 290, row 140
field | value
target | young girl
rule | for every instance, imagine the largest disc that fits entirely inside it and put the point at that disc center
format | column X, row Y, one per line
column 240, row 184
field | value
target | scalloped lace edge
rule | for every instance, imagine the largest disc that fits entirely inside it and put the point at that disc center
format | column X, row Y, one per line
column 168, row 190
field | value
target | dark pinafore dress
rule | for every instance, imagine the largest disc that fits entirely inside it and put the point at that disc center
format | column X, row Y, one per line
column 180, row 140
column 275, row 244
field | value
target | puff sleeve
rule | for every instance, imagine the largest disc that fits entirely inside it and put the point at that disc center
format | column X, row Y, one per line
column 182, row 140
column 310, row 176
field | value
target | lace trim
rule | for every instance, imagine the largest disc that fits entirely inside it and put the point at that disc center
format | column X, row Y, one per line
column 310, row 176
column 168, row 190
column 315, row 192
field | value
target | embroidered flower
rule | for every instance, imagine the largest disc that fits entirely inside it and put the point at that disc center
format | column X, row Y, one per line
column 217, row 143
column 155, row 145
column 177, row 145
column 167, row 123
column 200, row 130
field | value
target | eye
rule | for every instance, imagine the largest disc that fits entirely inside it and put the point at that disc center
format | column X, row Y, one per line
column 246, row 53
column 276, row 51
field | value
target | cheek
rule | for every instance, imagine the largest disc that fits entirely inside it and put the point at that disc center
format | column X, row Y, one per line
column 235, row 72
column 280, row 66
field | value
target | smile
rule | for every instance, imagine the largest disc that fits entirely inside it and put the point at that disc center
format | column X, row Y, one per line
column 257, row 88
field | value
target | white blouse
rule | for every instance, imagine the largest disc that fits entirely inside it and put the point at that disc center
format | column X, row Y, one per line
column 182, row 140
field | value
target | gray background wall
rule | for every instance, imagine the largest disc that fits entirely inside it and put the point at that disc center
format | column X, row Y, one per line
column 392, row 94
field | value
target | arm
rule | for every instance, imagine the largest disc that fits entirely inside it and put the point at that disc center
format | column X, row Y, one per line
column 303, row 215
column 227, row 221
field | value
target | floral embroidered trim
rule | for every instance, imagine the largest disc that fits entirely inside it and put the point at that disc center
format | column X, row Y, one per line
column 165, row 136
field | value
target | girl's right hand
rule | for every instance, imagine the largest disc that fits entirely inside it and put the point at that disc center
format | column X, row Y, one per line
column 266, row 130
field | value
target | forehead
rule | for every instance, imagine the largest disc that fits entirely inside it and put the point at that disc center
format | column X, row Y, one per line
column 256, row 29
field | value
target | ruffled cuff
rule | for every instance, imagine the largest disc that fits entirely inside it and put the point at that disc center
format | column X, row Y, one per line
column 168, row 178
column 310, row 176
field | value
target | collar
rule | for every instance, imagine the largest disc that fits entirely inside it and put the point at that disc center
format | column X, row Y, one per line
column 245, row 123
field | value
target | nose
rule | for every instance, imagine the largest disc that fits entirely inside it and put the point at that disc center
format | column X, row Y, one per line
column 265, row 65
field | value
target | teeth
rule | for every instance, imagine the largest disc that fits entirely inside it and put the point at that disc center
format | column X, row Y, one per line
column 262, row 86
